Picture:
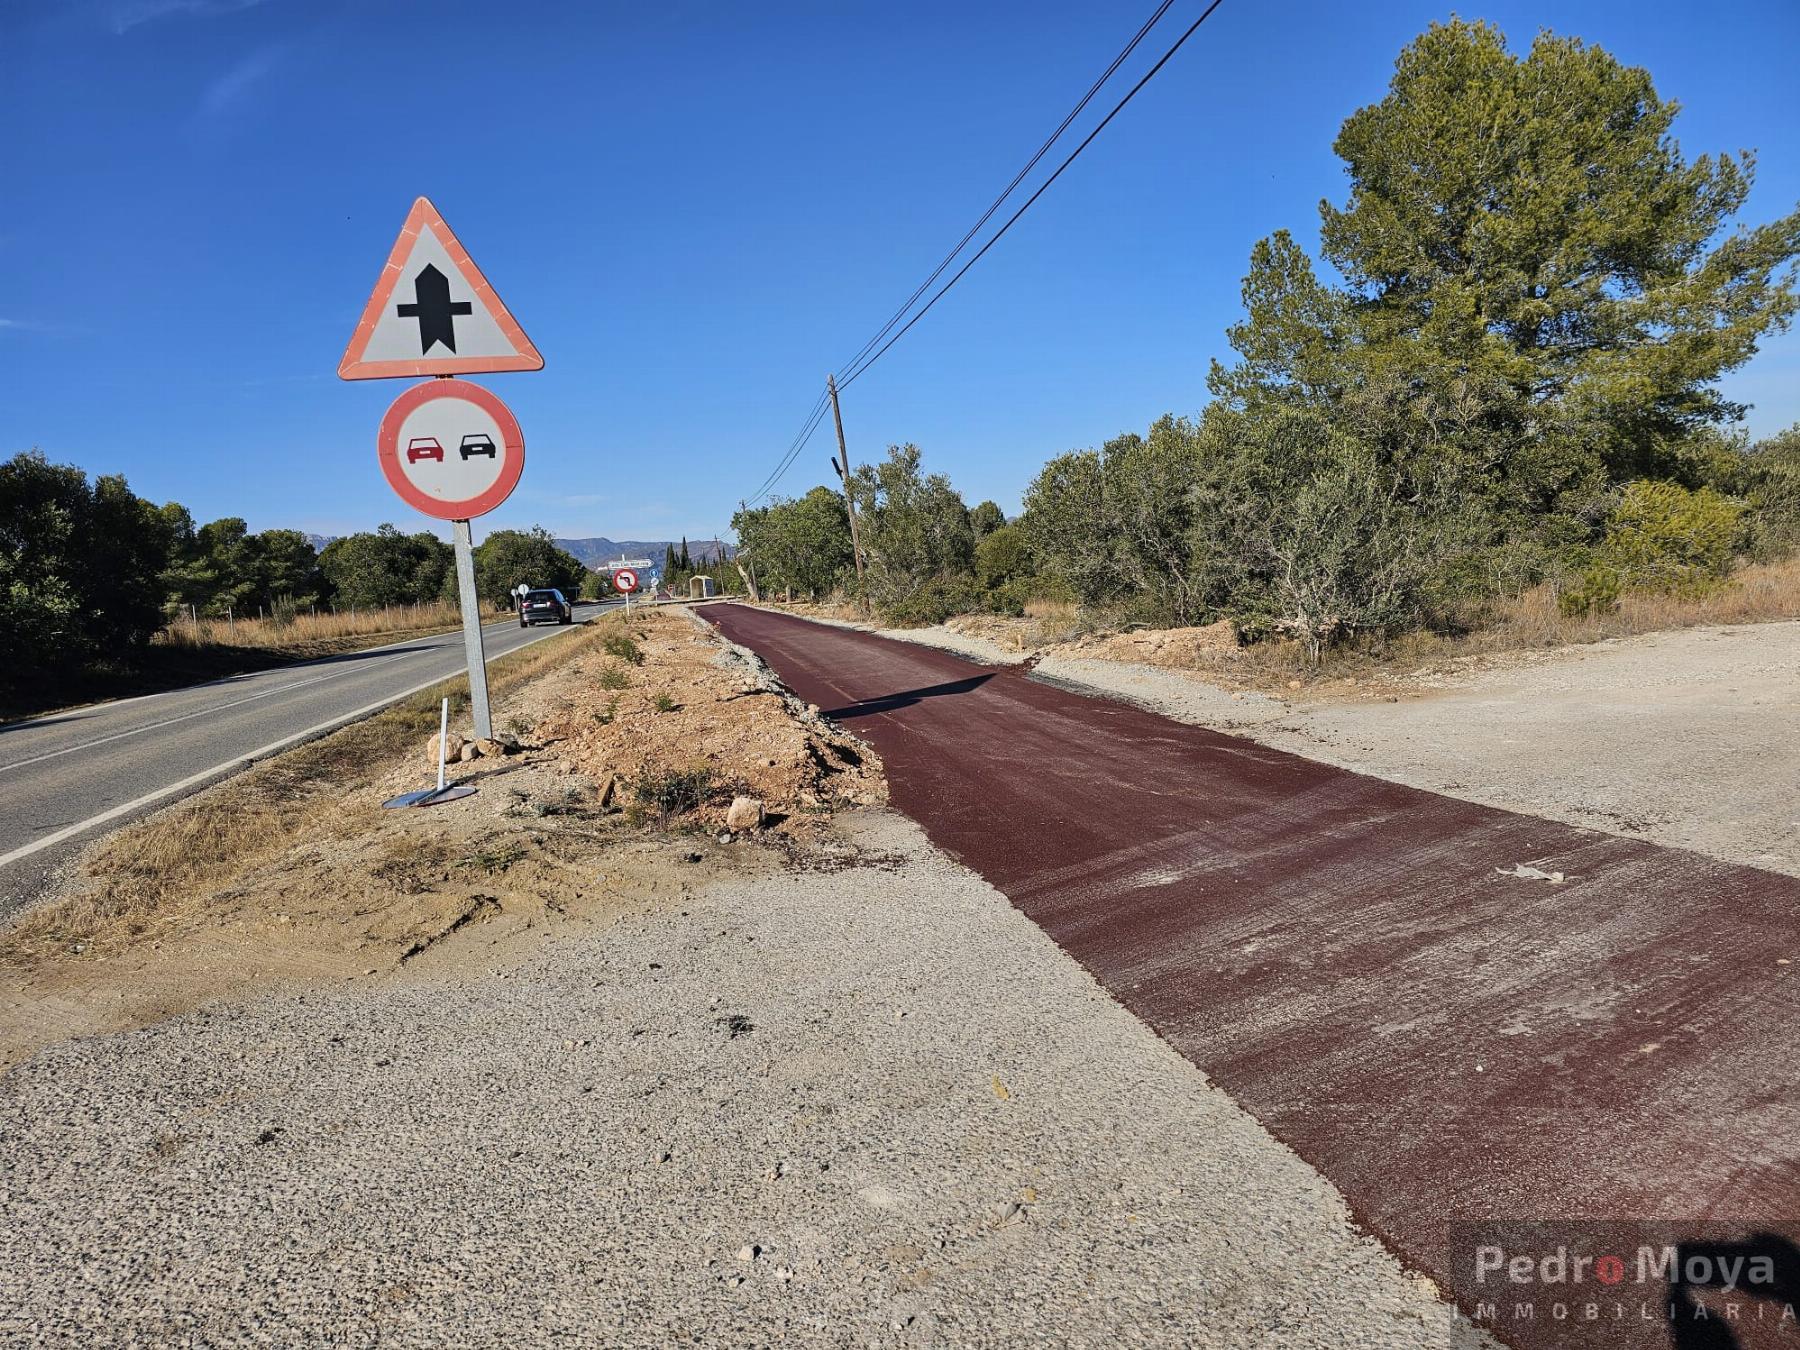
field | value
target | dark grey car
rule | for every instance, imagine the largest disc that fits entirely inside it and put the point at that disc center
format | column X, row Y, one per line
column 545, row 606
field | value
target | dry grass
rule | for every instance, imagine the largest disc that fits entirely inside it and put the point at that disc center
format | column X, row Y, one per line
column 1758, row 593
column 1056, row 620
column 308, row 628
column 202, row 845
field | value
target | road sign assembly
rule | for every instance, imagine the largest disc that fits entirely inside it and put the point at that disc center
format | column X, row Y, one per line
column 433, row 313
column 449, row 448
column 625, row 581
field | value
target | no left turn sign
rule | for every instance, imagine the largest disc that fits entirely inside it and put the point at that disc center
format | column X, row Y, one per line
column 451, row 449
column 625, row 580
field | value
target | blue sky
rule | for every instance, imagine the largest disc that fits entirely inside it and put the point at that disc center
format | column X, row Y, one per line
column 695, row 210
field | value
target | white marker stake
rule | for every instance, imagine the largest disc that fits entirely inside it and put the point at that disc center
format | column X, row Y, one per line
column 471, row 616
column 443, row 741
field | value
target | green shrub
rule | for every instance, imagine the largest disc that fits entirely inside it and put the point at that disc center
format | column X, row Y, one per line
column 1663, row 537
column 673, row 792
column 1002, row 556
column 1596, row 592
column 932, row 602
column 612, row 677
column 622, row 646
column 1773, row 487
column 1012, row 597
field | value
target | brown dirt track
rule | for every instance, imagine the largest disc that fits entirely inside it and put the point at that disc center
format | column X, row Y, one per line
column 1340, row 953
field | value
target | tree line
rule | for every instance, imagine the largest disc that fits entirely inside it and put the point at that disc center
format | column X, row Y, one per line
column 90, row 571
column 1509, row 375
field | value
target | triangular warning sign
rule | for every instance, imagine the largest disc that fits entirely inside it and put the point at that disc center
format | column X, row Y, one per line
column 433, row 313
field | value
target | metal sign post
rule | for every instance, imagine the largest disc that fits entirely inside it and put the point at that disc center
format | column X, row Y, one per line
column 471, row 617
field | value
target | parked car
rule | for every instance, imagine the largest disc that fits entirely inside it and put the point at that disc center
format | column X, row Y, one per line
column 424, row 447
column 545, row 606
column 478, row 443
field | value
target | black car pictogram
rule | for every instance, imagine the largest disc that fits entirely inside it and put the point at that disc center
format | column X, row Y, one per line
column 478, row 443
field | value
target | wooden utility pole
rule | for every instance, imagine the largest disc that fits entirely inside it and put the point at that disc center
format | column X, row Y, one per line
column 737, row 561
column 842, row 465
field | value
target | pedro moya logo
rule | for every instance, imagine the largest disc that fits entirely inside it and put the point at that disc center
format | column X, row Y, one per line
column 1668, row 1264
column 1631, row 1283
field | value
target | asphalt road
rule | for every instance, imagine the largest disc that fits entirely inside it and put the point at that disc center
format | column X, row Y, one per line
column 1448, row 1044
column 67, row 776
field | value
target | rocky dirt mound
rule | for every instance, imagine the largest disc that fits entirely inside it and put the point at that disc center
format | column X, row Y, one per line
column 1176, row 648
column 676, row 723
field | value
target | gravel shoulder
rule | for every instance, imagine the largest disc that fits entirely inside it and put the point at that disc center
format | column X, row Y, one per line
column 1684, row 738
column 856, row 1100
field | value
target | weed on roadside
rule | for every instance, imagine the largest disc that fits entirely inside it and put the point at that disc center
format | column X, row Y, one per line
column 624, row 647
column 659, row 795
column 496, row 858
column 612, row 676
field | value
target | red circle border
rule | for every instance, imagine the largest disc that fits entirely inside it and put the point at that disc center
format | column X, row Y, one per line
column 630, row 572
column 387, row 448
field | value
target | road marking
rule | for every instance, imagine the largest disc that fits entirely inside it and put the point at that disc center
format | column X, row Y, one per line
column 107, row 705
column 203, row 712
column 240, row 761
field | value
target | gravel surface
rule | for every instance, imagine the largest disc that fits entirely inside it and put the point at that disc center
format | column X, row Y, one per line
column 863, row 1104
column 1685, row 738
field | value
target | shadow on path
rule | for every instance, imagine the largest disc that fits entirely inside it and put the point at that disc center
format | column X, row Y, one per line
column 869, row 707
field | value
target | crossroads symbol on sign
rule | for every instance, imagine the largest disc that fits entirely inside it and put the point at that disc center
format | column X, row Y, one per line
column 433, row 308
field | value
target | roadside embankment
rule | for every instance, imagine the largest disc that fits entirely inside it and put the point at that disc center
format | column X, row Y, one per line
column 292, row 872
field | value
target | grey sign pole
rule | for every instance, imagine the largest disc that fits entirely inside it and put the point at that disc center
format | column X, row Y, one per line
column 471, row 616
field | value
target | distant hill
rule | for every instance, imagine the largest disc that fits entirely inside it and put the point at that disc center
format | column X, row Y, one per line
column 594, row 552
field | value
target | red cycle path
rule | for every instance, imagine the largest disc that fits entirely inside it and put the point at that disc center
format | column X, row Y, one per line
column 1340, row 954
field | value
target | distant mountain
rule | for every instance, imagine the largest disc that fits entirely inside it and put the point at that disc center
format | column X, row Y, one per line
column 594, row 552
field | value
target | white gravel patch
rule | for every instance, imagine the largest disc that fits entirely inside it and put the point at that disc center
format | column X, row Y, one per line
column 873, row 1106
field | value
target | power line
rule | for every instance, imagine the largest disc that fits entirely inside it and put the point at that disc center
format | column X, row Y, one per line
column 798, row 444
column 1018, row 178
column 863, row 359
column 1088, row 140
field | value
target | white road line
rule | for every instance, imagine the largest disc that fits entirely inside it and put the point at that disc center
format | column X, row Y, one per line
column 209, row 710
column 237, row 761
column 107, row 705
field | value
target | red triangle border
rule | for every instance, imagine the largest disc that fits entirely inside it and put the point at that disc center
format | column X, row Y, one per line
column 425, row 216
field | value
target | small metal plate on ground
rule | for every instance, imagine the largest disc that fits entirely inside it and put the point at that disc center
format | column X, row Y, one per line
column 430, row 796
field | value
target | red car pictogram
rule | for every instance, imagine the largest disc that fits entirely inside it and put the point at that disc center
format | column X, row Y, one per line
column 424, row 447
